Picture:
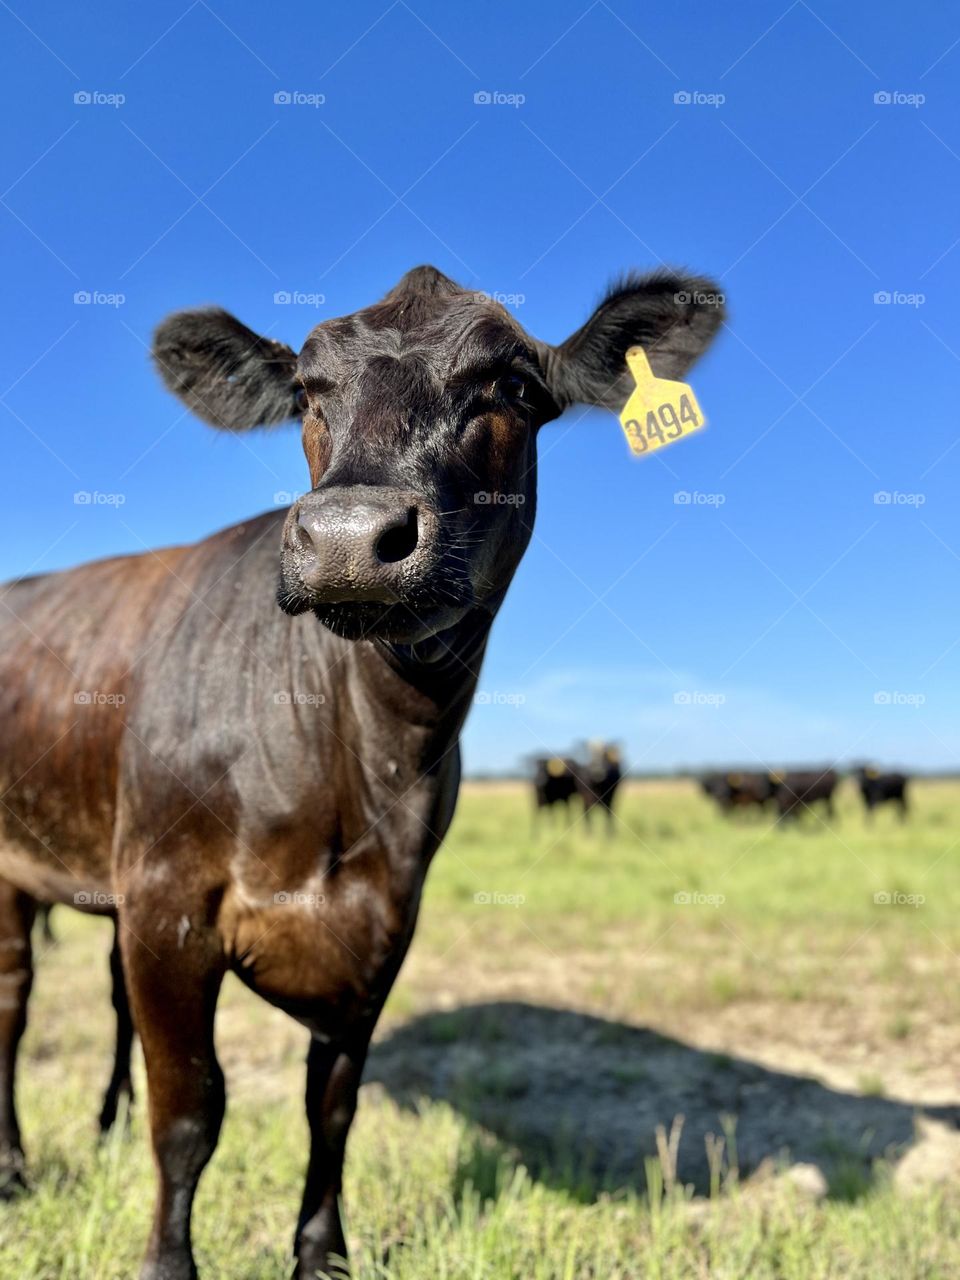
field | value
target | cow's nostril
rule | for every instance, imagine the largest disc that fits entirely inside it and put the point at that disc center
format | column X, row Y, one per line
column 303, row 537
column 400, row 540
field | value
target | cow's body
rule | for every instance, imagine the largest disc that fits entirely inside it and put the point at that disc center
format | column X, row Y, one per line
column 240, row 766
column 799, row 789
column 261, row 790
column 554, row 783
column 878, row 788
column 598, row 780
column 739, row 789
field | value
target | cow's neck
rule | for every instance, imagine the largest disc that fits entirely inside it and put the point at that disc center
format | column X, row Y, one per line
column 398, row 712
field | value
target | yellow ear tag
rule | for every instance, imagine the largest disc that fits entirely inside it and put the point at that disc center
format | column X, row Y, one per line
column 556, row 768
column 659, row 411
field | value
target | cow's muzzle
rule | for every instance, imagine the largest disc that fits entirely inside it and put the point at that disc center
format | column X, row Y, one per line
column 361, row 544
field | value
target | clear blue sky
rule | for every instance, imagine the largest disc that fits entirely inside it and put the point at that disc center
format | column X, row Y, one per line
column 797, row 600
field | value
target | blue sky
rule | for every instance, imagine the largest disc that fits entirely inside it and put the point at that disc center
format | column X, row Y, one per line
column 782, row 614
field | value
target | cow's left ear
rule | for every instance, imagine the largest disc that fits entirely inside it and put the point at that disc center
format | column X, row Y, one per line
column 674, row 317
column 227, row 374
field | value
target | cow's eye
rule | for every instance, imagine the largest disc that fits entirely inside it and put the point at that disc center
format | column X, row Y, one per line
column 513, row 386
column 301, row 399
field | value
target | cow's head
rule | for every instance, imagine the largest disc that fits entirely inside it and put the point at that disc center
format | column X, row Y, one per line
column 420, row 418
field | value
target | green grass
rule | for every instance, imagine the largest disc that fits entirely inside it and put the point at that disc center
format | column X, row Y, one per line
column 796, row 964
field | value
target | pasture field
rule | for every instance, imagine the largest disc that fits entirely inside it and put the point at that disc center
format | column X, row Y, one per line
column 791, row 994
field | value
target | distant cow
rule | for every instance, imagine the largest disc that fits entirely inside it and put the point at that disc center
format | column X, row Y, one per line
column 554, row 782
column 798, row 789
column 738, row 790
column 597, row 780
column 878, row 788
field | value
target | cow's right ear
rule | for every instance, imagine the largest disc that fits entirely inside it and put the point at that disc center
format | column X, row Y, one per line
column 224, row 372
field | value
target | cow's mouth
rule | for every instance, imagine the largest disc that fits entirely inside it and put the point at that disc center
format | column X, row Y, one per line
column 436, row 605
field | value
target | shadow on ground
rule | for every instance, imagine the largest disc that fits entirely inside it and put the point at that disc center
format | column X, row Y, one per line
column 579, row 1099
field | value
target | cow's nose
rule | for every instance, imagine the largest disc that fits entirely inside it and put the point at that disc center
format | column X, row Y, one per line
column 361, row 542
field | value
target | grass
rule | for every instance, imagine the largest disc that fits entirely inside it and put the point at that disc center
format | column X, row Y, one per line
column 779, row 956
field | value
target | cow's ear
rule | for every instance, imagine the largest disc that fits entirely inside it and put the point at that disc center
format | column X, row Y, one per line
column 224, row 372
column 671, row 315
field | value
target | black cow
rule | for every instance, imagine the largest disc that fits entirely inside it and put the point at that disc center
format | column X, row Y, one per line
column 598, row 779
column 879, row 788
column 739, row 789
column 259, row 790
column 798, row 789
column 554, row 782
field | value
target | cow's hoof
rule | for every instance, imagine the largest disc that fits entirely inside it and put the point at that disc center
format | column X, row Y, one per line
column 13, row 1180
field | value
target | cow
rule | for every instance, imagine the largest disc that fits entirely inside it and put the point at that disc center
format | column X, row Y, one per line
column 261, row 790
column 798, row 789
column 554, row 783
column 738, row 789
column 597, row 780
column 880, row 788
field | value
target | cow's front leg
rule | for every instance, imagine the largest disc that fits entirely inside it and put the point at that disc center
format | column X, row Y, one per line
column 173, row 990
column 333, row 1078
column 16, row 976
